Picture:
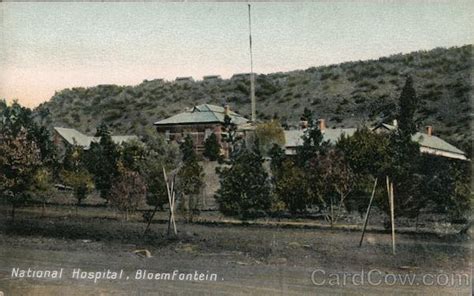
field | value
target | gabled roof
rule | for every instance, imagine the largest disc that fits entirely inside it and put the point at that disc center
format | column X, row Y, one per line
column 204, row 113
column 74, row 137
column 435, row 143
column 425, row 140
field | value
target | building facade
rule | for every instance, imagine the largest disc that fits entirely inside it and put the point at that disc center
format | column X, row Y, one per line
column 199, row 122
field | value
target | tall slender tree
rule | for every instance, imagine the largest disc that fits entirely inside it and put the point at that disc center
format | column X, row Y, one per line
column 212, row 148
column 408, row 105
column 102, row 161
column 190, row 180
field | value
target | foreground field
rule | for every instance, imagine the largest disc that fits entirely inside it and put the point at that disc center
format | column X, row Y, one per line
column 246, row 260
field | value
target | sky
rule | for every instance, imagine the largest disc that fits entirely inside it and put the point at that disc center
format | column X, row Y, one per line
column 46, row 47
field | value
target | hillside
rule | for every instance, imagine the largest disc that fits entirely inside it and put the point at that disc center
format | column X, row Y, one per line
column 345, row 94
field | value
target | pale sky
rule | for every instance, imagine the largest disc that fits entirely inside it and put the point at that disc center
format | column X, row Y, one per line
column 46, row 47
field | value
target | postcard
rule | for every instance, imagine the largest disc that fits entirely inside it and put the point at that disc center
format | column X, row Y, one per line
column 236, row 148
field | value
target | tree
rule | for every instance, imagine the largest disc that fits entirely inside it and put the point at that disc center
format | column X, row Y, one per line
column 102, row 159
column 405, row 156
column 75, row 174
column 81, row 182
column 365, row 151
column 19, row 161
column 269, row 134
column 158, row 154
column 43, row 185
column 128, row 192
column 313, row 142
column 132, row 154
column 187, row 149
column 446, row 186
column 307, row 115
column 189, row 184
column 367, row 155
column 20, row 155
column 190, row 180
column 340, row 179
column 229, row 130
column 329, row 183
column 291, row 187
column 212, row 148
column 244, row 186
column 277, row 156
column 408, row 105
column 16, row 118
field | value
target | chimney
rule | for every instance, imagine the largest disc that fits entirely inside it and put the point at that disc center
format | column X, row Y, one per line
column 226, row 110
column 303, row 124
column 322, row 124
column 429, row 130
column 395, row 123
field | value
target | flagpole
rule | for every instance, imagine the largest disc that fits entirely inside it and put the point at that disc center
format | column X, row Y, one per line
column 252, row 76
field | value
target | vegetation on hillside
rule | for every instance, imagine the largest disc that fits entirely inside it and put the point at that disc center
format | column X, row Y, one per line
column 345, row 95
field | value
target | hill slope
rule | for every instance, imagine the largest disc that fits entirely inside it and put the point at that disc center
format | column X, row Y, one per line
column 344, row 94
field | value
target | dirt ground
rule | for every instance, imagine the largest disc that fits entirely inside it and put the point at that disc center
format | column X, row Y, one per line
column 248, row 260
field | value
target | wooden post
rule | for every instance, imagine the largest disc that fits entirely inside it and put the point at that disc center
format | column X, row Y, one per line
column 392, row 216
column 368, row 213
column 171, row 197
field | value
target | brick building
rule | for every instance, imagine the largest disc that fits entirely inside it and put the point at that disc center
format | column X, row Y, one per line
column 200, row 122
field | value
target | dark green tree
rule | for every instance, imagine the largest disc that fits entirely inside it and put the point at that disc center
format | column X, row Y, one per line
column 291, row 187
column 313, row 142
column 405, row 156
column 102, row 161
column 229, row 135
column 277, row 156
column 408, row 106
column 132, row 153
column 244, row 186
column 366, row 152
column 212, row 148
column 187, row 149
column 307, row 115
column 446, row 186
